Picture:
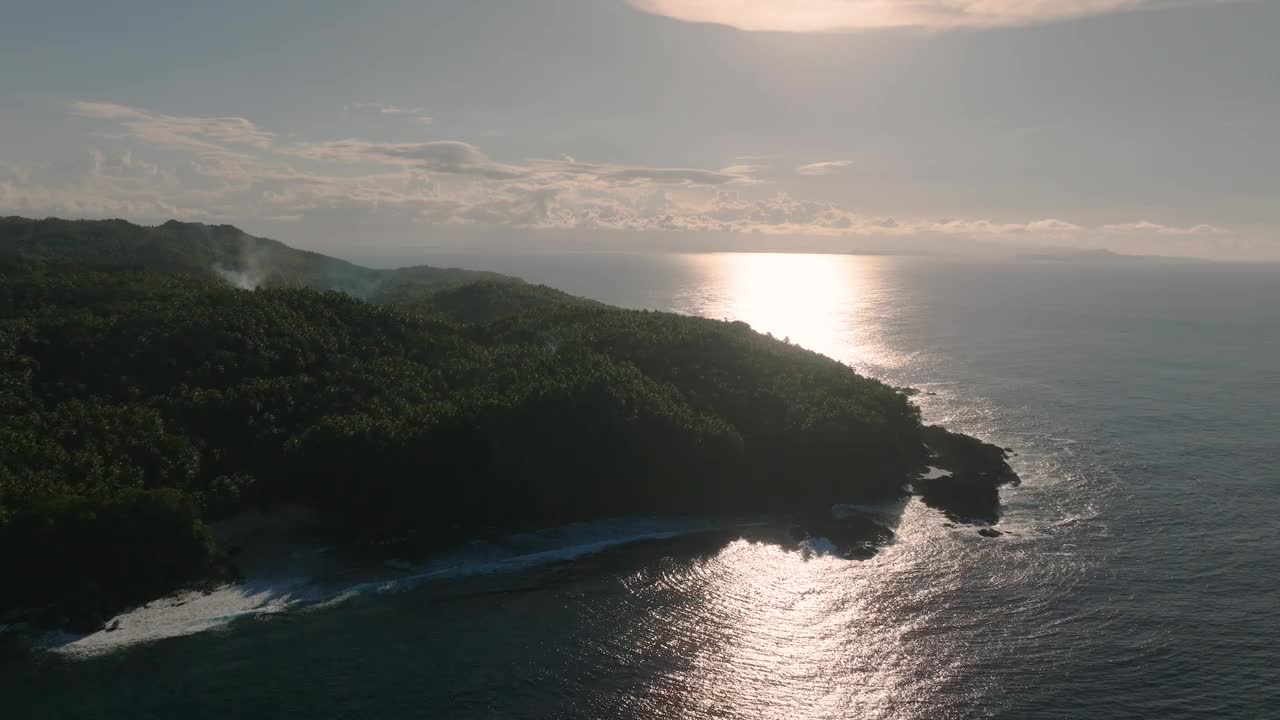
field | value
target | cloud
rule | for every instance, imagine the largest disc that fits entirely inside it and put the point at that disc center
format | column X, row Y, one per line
column 94, row 184
column 108, row 111
column 823, row 168
column 834, row 15
column 1051, row 225
column 229, row 170
column 460, row 158
column 566, row 166
column 1148, row 227
column 416, row 114
column 989, row 228
column 577, row 206
column 386, row 109
column 172, row 132
column 670, row 175
column 543, row 195
column 444, row 156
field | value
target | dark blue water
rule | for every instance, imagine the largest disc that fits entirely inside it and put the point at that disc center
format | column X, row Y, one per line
column 1140, row 578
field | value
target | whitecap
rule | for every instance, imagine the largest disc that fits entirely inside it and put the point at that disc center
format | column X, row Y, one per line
column 185, row 614
column 818, row 546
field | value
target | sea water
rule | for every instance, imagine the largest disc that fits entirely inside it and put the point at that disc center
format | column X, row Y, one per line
column 1139, row 576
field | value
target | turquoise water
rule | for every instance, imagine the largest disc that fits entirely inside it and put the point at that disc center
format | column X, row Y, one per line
column 1140, row 578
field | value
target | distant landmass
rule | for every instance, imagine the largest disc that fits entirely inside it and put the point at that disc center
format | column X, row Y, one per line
column 156, row 380
column 1098, row 255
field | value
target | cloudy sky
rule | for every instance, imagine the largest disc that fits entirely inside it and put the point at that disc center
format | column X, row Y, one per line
column 1142, row 126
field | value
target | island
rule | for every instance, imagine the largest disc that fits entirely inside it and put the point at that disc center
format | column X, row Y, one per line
column 157, row 380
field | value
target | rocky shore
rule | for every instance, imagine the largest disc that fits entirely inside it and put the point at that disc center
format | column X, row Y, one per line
column 964, row 476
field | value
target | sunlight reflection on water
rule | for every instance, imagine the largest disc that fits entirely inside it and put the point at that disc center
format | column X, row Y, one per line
column 940, row 623
column 772, row 633
column 764, row 631
column 832, row 304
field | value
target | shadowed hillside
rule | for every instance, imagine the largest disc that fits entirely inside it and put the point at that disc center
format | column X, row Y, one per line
column 144, row 394
column 204, row 251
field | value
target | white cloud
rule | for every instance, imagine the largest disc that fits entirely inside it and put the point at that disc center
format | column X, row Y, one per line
column 1148, row 227
column 200, row 134
column 416, row 114
column 578, row 206
column 444, row 156
column 828, row 15
column 827, row 167
column 94, row 184
column 387, row 109
column 680, row 176
column 108, row 111
column 1051, row 225
column 460, row 158
column 567, row 167
column 229, row 170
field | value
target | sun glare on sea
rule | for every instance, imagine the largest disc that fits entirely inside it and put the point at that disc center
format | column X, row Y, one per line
column 826, row 303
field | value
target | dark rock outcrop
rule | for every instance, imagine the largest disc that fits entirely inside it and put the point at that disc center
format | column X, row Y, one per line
column 970, row 492
column 853, row 537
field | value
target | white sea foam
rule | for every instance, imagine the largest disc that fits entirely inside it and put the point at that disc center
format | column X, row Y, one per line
column 185, row 614
column 195, row 612
column 535, row 550
column 818, row 546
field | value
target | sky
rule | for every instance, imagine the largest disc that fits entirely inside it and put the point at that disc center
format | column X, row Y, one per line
column 1137, row 126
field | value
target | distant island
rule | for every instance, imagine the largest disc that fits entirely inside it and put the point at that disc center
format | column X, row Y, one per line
column 155, row 380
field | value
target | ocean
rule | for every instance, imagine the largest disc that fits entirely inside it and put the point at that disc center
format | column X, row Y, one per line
column 1139, row 576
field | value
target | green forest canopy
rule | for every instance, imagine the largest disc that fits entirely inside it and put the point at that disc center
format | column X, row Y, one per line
column 142, row 395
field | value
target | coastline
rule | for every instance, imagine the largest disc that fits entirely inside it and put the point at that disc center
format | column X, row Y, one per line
column 446, row 406
column 284, row 559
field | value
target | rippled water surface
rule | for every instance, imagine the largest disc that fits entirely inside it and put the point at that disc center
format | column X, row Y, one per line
column 1139, row 576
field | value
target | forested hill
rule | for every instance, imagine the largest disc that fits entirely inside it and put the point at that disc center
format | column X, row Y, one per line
column 205, row 251
column 143, row 395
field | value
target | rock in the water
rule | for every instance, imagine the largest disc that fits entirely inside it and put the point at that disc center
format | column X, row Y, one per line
column 853, row 537
column 978, row 469
column 964, row 498
column 990, row 532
